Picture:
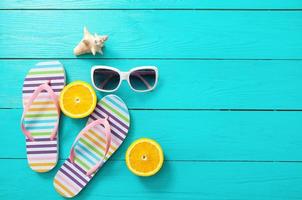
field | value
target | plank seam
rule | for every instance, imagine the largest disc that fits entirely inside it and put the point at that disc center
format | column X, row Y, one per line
column 200, row 109
column 219, row 109
column 158, row 9
column 199, row 161
column 222, row 59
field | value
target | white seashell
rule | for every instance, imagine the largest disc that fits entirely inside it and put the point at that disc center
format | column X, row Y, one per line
column 90, row 43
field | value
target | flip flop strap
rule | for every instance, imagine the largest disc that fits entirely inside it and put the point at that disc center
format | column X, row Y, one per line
column 53, row 96
column 108, row 142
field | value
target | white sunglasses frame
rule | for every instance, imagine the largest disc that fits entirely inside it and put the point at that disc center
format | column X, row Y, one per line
column 124, row 76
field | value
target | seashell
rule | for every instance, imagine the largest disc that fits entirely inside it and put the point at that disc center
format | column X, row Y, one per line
column 90, row 43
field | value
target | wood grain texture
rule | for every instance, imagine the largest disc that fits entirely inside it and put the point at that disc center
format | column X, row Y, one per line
column 187, row 135
column 177, row 180
column 219, row 63
column 154, row 34
column 216, row 84
column 151, row 4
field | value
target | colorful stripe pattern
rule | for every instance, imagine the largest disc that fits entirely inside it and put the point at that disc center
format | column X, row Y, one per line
column 89, row 149
column 42, row 153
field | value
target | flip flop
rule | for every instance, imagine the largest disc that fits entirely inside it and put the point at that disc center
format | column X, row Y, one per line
column 41, row 113
column 106, row 129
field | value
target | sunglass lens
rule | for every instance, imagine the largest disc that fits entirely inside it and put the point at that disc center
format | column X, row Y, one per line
column 143, row 79
column 106, row 79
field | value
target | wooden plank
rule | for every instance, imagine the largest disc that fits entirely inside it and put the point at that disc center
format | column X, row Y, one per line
column 177, row 180
column 151, row 4
column 154, row 34
column 189, row 84
column 187, row 135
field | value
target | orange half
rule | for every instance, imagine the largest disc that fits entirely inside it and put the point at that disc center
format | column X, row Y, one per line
column 144, row 157
column 77, row 99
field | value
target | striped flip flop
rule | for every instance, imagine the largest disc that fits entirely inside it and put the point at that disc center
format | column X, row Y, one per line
column 41, row 112
column 106, row 129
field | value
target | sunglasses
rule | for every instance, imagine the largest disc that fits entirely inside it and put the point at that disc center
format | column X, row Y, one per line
column 109, row 79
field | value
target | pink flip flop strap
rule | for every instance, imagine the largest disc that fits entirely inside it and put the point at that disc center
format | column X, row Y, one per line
column 53, row 96
column 108, row 142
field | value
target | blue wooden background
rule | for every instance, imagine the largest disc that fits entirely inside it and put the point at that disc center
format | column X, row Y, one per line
column 227, row 110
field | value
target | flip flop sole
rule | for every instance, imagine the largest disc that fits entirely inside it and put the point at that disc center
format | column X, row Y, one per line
column 40, row 120
column 72, row 178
